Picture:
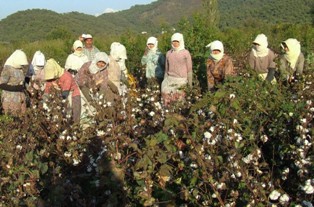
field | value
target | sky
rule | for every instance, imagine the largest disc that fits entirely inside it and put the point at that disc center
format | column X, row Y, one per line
column 92, row 7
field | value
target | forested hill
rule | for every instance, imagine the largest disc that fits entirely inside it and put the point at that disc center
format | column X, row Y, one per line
column 36, row 24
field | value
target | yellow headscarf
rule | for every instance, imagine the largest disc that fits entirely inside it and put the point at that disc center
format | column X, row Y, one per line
column 52, row 70
column 294, row 51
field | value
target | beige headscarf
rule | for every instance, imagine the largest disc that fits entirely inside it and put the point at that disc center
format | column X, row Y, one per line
column 261, row 50
column 52, row 70
column 77, row 44
column 178, row 37
column 216, row 45
column 17, row 59
column 294, row 51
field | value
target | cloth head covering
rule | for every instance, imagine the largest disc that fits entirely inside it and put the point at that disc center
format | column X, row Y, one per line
column 77, row 44
column 38, row 59
column 118, row 51
column 178, row 37
column 17, row 59
column 52, row 70
column 216, row 45
column 294, row 51
column 260, row 50
column 100, row 56
column 88, row 36
column 154, row 41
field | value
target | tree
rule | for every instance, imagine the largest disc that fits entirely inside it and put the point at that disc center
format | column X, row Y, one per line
column 211, row 12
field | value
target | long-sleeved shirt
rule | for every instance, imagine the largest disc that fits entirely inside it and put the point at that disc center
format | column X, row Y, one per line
column 218, row 71
column 262, row 64
column 178, row 63
column 285, row 68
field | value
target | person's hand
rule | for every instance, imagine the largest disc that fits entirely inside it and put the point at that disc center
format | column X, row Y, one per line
column 146, row 51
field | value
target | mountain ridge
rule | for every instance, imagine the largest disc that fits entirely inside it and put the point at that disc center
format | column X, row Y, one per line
column 37, row 24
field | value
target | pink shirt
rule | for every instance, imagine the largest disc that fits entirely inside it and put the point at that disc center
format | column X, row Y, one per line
column 66, row 82
column 178, row 63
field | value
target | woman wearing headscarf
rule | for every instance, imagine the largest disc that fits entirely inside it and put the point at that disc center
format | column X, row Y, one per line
column 154, row 61
column 12, row 83
column 118, row 53
column 56, row 77
column 35, row 73
column 292, row 61
column 94, row 76
column 261, row 58
column 75, row 60
column 219, row 65
column 178, row 71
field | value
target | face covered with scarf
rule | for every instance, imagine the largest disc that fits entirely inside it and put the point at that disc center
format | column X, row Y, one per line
column 216, row 50
column 260, row 46
column 78, row 47
column 292, row 48
column 99, row 63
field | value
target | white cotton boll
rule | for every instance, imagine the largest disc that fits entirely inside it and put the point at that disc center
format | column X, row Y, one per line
column 290, row 114
column 67, row 154
column 207, row 135
column 309, row 102
column 231, row 96
column 235, row 121
column 303, row 121
column 308, row 188
column 274, row 195
column 264, row 138
column 19, row 147
column 109, row 103
column 151, row 113
column 212, row 129
column 284, row 199
column 76, row 162
column 221, row 186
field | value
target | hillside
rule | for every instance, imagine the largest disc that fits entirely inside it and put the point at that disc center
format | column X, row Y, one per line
column 36, row 24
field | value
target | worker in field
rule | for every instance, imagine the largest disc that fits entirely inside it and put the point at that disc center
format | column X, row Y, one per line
column 75, row 60
column 89, row 48
column 12, row 78
column 292, row 60
column 178, row 71
column 154, row 62
column 61, row 80
column 219, row 65
column 262, row 59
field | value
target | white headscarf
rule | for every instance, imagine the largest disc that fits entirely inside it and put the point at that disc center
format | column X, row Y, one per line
column 100, row 56
column 154, row 41
column 294, row 51
column 178, row 37
column 17, row 59
column 118, row 51
column 39, row 60
column 77, row 44
column 216, row 45
column 261, row 50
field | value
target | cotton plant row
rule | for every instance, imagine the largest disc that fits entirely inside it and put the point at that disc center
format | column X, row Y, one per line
column 229, row 148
